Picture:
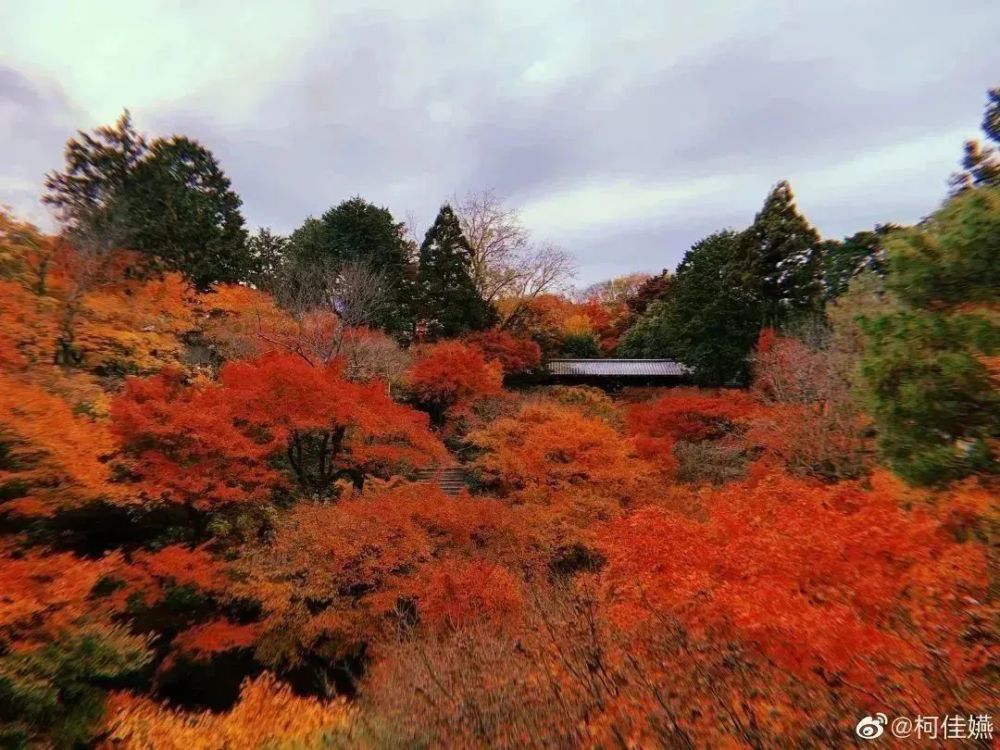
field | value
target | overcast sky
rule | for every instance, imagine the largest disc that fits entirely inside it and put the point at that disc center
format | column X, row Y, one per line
column 623, row 131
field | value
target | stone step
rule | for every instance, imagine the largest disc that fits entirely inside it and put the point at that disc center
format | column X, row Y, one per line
column 451, row 479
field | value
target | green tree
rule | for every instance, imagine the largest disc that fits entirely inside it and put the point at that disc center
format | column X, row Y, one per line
column 708, row 321
column 55, row 692
column 842, row 260
column 183, row 210
column 450, row 303
column 981, row 163
column 167, row 198
column 89, row 194
column 582, row 345
column 779, row 259
column 269, row 252
column 355, row 234
column 933, row 396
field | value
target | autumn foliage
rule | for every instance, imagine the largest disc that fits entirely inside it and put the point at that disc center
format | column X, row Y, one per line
column 548, row 447
column 215, row 532
column 268, row 714
column 446, row 377
column 835, row 583
column 515, row 355
column 216, row 443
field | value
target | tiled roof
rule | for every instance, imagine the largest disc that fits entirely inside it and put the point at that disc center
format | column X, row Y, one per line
column 617, row 367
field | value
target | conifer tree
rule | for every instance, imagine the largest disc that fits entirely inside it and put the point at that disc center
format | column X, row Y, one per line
column 449, row 302
column 269, row 252
column 167, row 198
column 981, row 162
column 356, row 234
column 931, row 365
column 779, row 259
column 707, row 322
column 842, row 260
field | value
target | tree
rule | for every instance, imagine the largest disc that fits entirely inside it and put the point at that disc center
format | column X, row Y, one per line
column 814, row 424
column 709, row 321
column 778, row 259
column 842, row 260
column 92, row 194
column 357, row 234
column 361, row 564
column 448, row 375
column 981, row 163
column 618, row 290
column 552, row 448
column 659, row 425
column 268, row 714
column 933, row 392
column 583, row 345
column 651, row 290
column 449, row 302
column 61, row 650
column 777, row 565
column 167, row 198
column 182, row 209
column 507, row 266
column 269, row 252
column 517, row 356
column 56, row 690
column 51, row 456
column 267, row 421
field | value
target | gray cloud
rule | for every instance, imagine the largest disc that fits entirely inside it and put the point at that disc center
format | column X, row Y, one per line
column 37, row 120
column 863, row 107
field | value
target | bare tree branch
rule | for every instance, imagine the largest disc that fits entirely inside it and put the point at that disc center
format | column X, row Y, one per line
column 506, row 263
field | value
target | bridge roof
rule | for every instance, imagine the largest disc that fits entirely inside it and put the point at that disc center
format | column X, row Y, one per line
column 617, row 367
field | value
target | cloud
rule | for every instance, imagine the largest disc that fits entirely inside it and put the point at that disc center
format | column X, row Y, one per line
column 37, row 119
column 623, row 136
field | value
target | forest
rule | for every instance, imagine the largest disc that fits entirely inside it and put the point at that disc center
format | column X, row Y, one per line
column 221, row 524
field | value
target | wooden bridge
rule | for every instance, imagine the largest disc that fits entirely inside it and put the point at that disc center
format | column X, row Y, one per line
column 616, row 372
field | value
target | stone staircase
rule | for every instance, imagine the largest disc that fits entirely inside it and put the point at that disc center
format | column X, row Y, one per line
column 451, row 479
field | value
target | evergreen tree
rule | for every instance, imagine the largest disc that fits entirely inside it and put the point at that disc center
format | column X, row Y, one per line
column 450, row 303
column 581, row 345
column 167, row 198
column 269, row 253
column 354, row 234
column 183, row 210
column 842, row 260
column 779, row 259
column 89, row 194
column 981, row 161
column 928, row 365
column 707, row 322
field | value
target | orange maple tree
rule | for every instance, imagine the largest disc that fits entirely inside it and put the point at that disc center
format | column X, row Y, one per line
column 268, row 714
column 447, row 376
column 344, row 574
column 53, row 457
column 456, row 594
column 684, row 415
column 515, row 355
column 266, row 421
column 548, row 447
column 831, row 581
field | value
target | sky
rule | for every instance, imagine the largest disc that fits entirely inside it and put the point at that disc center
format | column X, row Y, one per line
column 622, row 132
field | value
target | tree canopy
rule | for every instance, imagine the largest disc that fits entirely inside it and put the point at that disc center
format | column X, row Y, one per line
column 928, row 365
column 448, row 299
column 166, row 197
column 357, row 234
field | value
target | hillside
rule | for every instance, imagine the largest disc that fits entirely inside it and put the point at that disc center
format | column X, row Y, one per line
column 220, row 528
